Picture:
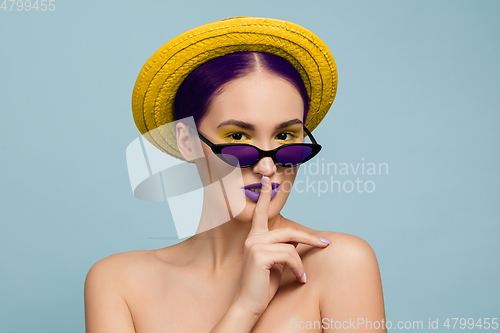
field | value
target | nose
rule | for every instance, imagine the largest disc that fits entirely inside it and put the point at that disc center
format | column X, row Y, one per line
column 265, row 167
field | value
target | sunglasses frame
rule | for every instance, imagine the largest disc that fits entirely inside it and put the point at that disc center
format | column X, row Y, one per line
column 217, row 150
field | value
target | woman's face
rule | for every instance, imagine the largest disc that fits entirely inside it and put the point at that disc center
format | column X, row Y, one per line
column 263, row 110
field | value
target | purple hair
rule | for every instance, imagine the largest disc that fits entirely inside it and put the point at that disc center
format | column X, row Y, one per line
column 201, row 85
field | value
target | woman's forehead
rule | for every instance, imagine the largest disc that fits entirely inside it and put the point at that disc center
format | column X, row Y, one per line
column 256, row 99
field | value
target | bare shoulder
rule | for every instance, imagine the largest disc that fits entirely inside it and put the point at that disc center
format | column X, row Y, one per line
column 347, row 277
column 345, row 248
column 120, row 272
column 106, row 307
column 129, row 271
column 119, row 265
column 345, row 255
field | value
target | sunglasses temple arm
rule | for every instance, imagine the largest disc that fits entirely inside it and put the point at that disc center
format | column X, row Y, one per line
column 210, row 144
column 310, row 135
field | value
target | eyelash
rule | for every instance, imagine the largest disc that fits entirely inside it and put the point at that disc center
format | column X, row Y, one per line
column 229, row 136
column 293, row 136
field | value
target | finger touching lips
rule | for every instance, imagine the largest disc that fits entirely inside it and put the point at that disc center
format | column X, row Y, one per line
column 253, row 191
column 260, row 216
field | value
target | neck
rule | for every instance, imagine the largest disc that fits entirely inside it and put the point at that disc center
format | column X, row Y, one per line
column 223, row 246
column 220, row 237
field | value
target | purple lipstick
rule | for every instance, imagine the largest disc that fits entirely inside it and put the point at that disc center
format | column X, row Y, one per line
column 252, row 191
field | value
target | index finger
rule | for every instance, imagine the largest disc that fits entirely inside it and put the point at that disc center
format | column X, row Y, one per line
column 260, row 215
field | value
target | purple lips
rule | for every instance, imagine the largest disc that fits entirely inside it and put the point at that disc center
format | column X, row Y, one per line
column 252, row 195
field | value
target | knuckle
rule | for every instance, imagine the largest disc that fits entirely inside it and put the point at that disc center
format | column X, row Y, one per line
column 255, row 248
column 248, row 243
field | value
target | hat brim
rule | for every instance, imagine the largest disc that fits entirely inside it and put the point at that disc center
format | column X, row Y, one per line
column 157, row 84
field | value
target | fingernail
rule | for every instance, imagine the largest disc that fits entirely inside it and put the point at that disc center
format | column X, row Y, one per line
column 324, row 240
column 304, row 278
column 263, row 180
column 301, row 273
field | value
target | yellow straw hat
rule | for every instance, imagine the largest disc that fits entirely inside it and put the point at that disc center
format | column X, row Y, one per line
column 155, row 89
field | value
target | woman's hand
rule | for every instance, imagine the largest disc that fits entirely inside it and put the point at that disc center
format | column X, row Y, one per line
column 266, row 252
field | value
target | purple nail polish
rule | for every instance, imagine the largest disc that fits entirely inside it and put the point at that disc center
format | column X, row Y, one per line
column 301, row 273
column 305, row 278
column 263, row 180
column 324, row 240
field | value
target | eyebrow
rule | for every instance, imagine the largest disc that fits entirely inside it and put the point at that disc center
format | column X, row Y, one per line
column 238, row 123
column 249, row 126
column 289, row 123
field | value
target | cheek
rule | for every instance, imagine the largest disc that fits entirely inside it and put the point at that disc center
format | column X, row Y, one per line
column 286, row 177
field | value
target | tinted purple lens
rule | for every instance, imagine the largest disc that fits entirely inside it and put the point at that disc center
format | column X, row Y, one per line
column 243, row 155
column 292, row 155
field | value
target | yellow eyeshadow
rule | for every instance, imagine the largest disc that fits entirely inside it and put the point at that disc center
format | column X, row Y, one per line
column 293, row 135
column 225, row 135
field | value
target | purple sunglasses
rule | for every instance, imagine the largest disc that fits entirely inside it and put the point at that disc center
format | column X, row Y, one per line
column 244, row 155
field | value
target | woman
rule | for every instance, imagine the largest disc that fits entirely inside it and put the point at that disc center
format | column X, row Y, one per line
column 248, row 86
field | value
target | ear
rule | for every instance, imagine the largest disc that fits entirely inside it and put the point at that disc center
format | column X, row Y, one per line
column 186, row 142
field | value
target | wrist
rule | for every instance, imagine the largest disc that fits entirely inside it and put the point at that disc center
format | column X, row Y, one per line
column 237, row 319
column 241, row 311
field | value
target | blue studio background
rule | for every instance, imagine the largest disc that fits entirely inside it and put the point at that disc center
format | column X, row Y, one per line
column 417, row 94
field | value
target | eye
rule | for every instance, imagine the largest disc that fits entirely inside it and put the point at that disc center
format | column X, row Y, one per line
column 237, row 136
column 285, row 136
